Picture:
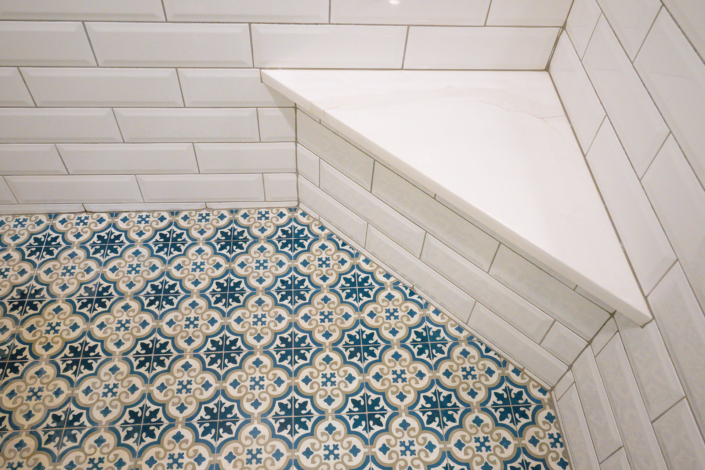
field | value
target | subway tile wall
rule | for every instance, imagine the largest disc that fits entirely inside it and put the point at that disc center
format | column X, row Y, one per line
column 631, row 76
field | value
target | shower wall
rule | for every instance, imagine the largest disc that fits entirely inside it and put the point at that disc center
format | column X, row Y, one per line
column 632, row 79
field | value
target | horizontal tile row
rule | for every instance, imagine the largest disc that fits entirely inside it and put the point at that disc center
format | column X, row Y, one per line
column 441, row 12
column 125, row 44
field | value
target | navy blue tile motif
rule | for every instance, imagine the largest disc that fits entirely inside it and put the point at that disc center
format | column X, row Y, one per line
column 251, row 339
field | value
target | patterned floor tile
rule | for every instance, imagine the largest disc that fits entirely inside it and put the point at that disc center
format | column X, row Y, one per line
column 251, row 339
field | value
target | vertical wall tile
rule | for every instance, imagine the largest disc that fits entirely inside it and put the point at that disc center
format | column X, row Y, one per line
column 308, row 164
column 19, row 125
column 630, row 108
column 618, row 461
column 581, row 23
column 6, row 196
column 603, row 336
column 264, row 11
column 90, row 10
column 680, row 439
column 75, row 189
column 691, row 17
column 440, row 12
column 30, row 159
column 121, row 159
column 528, row 13
column 563, row 343
column 631, row 20
column 230, row 88
column 277, row 157
column 563, row 385
column 277, row 124
column 13, row 91
column 44, row 43
column 280, row 187
column 577, row 433
column 639, row 438
column 200, row 188
column 675, row 76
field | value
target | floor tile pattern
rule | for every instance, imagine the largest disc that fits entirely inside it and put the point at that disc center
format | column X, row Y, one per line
column 252, row 339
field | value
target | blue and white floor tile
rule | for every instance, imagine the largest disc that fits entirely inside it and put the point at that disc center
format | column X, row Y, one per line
column 253, row 339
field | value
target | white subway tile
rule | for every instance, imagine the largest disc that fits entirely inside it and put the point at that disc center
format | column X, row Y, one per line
column 551, row 296
column 354, row 163
column 232, row 88
column 146, row 206
column 642, row 236
column 13, row 91
column 188, row 125
column 120, row 159
column 603, row 336
column 675, row 76
column 479, row 48
column 528, row 12
column 596, row 405
column 201, row 188
column 96, row 87
column 280, row 187
column 581, row 23
column 89, row 10
column 691, row 17
column 277, row 157
column 563, row 343
column 376, row 212
column 277, row 124
column 629, row 106
column 422, row 276
column 653, row 369
column 680, row 439
column 308, row 164
column 630, row 20
column 40, row 208
column 30, row 159
column 171, row 44
column 563, row 385
column 439, row 12
column 250, row 205
column 594, row 299
column 578, row 96
column 520, row 348
column 328, row 46
column 6, row 196
column 577, row 433
column 618, row 461
column 679, row 202
column 327, row 207
column 521, row 314
column 265, row 11
column 682, row 325
column 75, row 189
column 44, row 43
column 18, row 125
column 443, row 223
column 639, row 438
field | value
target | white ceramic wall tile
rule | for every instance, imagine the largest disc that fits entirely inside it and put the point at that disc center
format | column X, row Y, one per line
column 691, row 17
column 551, row 296
column 679, row 202
column 528, row 12
column 634, row 115
column 277, row 124
column 680, row 439
column 603, row 336
column 146, row 206
column 563, row 385
column 652, row 366
column 233, row 205
column 618, row 461
column 376, row 212
column 520, row 348
column 594, row 299
column 232, row 88
column 328, row 46
column 18, row 125
column 640, row 231
column 446, row 225
column 424, row 278
column 30, row 159
column 354, row 163
column 13, row 91
column 439, row 12
column 201, row 188
column 308, row 164
column 630, row 20
column 265, row 11
column 188, row 125
column 576, row 430
column 97, row 10
column 576, row 92
column 581, row 23
column 277, row 157
column 280, row 187
column 44, row 43
column 327, row 207
column 639, row 438
column 6, row 196
column 74, row 189
column 40, row 208
column 682, row 325
column 170, row 44
column 96, row 87
column 675, row 76
column 121, row 159
column 479, row 48
column 563, row 343
column 596, row 405
column 521, row 314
